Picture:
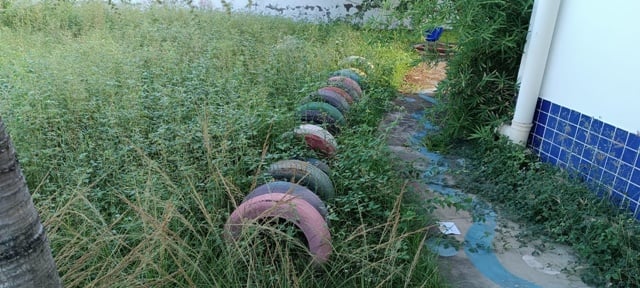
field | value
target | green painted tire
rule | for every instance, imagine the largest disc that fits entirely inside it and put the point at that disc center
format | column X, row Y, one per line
column 326, row 108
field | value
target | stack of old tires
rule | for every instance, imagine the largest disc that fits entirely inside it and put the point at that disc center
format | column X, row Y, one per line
column 301, row 185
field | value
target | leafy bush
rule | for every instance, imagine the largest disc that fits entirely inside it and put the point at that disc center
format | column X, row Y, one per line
column 481, row 77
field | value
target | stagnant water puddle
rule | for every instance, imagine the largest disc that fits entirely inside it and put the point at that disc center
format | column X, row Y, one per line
column 479, row 237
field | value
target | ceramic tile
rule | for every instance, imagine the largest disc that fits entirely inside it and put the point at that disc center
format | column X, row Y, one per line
column 596, row 126
column 605, row 156
column 633, row 141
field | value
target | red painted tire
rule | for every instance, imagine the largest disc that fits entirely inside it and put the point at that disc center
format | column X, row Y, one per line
column 318, row 139
column 291, row 189
column 290, row 208
column 346, row 84
column 305, row 174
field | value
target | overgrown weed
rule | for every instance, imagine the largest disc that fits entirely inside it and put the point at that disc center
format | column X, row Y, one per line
column 140, row 130
column 560, row 207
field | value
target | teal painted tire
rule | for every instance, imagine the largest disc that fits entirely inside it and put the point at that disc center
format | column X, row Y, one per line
column 350, row 73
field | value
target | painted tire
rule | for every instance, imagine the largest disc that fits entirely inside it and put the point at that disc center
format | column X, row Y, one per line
column 340, row 92
column 320, row 118
column 290, row 189
column 346, row 84
column 317, row 139
column 358, row 62
column 305, row 174
column 330, row 97
column 320, row 165
column 324, row 108
column 350, row 73
column 290, row 208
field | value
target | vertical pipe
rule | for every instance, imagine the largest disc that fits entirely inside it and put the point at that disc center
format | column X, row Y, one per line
column 532, row 67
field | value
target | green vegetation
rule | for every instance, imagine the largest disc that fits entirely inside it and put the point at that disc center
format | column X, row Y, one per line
column 476, row 97
column 481, row 86
column 140, row 130
column 558, row 207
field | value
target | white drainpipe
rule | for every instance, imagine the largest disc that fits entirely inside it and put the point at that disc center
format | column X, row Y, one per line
column 532, row 66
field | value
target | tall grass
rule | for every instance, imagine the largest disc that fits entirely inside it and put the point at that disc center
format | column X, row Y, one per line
column 139, row 131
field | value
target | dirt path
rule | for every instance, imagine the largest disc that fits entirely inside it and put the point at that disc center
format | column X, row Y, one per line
column 485, row 253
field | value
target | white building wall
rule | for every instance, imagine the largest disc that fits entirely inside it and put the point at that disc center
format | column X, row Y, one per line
column 594, row 62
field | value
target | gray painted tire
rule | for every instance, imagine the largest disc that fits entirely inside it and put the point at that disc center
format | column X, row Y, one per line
column 293, row 189
column 305, row 174
column 331, row 97
column 324, row 167
column 321, row 165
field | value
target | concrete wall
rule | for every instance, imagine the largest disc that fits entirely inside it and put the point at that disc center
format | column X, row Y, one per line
column 308, row 10
column 588, row 116
column 313, row 10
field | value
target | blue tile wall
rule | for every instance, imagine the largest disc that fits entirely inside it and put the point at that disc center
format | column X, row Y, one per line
column 601, row 154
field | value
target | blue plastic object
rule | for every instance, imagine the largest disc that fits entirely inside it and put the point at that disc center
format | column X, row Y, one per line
column 432, row 35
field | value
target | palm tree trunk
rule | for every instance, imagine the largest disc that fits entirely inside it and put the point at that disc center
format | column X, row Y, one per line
column 25, row 256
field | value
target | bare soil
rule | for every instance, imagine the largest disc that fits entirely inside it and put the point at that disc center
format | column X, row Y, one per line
column 425, row 76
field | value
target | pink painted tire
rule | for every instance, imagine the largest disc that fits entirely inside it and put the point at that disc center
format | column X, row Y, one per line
column 290, row 208
column 293, row 189
column 347, row 84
